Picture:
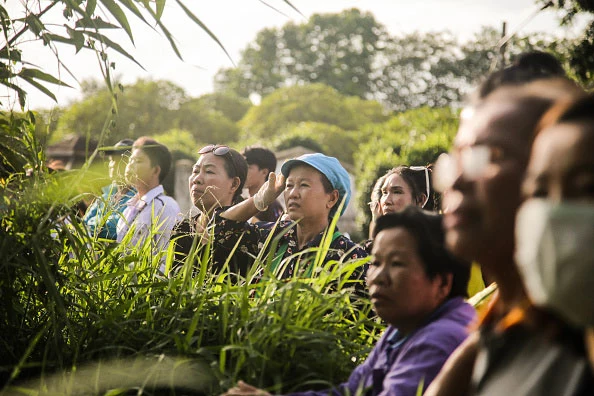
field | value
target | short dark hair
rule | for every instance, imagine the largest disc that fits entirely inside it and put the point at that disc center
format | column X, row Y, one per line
column 123, row 147
column 158, row 154
column 260, row 156
column 527, row 67
column 427, row 229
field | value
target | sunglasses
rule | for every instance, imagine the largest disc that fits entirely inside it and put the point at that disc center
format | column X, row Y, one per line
column 219, row 151
column 427, row 185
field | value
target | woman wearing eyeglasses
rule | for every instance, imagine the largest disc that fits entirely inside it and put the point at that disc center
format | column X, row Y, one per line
column 216, row 181
column 315, row 187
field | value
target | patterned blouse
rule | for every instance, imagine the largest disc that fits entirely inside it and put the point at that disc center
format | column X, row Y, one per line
column 227, row 233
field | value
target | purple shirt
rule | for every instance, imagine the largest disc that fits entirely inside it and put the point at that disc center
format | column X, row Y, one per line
column 396, row 366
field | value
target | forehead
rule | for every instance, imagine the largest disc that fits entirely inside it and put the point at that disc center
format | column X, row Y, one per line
column 495, row 123
column 395, row 180
column 211, row 160
column 396, row 240
column 563, row 147
column 139, row 154
column 303, row 171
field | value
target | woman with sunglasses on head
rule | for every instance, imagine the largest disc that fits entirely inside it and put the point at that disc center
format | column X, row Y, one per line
column 216, row 181
column 401, row 187
column 315, row 187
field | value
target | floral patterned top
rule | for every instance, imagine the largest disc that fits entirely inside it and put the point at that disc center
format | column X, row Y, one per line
column 254, row 235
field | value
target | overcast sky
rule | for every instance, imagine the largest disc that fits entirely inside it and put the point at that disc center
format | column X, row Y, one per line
column 236, row 23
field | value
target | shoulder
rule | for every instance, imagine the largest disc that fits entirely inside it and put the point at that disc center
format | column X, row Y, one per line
column 348, row 247
column 450, row 328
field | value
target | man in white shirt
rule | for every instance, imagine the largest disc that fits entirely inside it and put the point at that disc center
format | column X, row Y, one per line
column 150, row 213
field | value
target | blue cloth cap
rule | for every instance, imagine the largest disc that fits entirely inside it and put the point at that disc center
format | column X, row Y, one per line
column 329, row 167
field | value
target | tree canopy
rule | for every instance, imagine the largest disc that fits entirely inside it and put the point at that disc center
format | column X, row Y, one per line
column 353, row 53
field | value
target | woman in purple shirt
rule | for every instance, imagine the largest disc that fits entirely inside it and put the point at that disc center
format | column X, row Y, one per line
column 418, row 288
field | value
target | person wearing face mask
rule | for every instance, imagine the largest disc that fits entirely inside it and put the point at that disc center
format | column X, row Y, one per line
column 482, row 178
column 555, row 231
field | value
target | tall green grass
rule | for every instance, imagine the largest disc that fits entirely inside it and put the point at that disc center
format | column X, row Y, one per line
column 82, row 315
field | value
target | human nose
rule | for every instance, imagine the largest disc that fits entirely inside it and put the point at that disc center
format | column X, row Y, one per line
column 376, row 275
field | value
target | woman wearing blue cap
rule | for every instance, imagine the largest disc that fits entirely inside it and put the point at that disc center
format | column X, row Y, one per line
column 314, row 187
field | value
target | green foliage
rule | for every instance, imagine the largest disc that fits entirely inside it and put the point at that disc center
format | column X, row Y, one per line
column 144, row 108
column 83, row 307
column 207, row 125
column 337, row 50
column 415, row 137
column 354, row 54
column 315, row 103
column 330, row 139
column 232, row 106
column 83, row 28
column 179, row 141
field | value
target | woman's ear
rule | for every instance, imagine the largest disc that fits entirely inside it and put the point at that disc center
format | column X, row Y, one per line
column 333, row 199
column 422, row 200
column 444, row 286
column 235, row 184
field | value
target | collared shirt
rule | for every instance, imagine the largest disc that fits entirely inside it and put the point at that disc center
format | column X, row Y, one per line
column 400, row 365
column 104, row 213
column 253, row 235
column 153, row 213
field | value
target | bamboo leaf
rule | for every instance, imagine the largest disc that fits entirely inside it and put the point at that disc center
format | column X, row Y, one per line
column 77, row 37
column 91, row 5
column 204, row 27
column 164, row 29
column 22, row 95
column 39, row 75
column 40, row 87
column 293, row 7
column 119, row 15
column 160, row 7
column 129, row 4
column 111, row 44
column 95, row 23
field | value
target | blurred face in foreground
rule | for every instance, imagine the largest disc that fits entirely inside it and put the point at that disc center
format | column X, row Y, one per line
column 210, row 185
column 401, row 292
column 562, row 165
column 117, row 165
column 305, row 195
column 490, row 154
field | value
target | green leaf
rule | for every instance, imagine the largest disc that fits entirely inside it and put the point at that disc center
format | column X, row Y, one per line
column 119, row 15
column 160, row 7
column 91, row 5
column 35, row 25
column 293, row 7
column 163, row 28
column 40, row 87
column 77, row 37
column 95, row 23
column 203, row 26
column 39, row 75
column 129, row 4
column 22, row 95
column 111, row 44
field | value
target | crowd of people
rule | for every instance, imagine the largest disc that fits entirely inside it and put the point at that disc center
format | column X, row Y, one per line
column 515, row 196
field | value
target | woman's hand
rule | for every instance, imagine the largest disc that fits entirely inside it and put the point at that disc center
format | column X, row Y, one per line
column 243, row 389
column 269, row 191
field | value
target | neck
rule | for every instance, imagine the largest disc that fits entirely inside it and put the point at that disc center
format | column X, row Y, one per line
column 502, row 270
column 308, row 231
column 143, row 188
column 254, row 189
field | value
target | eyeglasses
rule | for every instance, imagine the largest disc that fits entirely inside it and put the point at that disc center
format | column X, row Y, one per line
column 219, row 151
column 427, row 185
column 471, row 162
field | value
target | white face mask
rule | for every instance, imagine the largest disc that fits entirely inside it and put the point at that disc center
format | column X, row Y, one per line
column 555, row 256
